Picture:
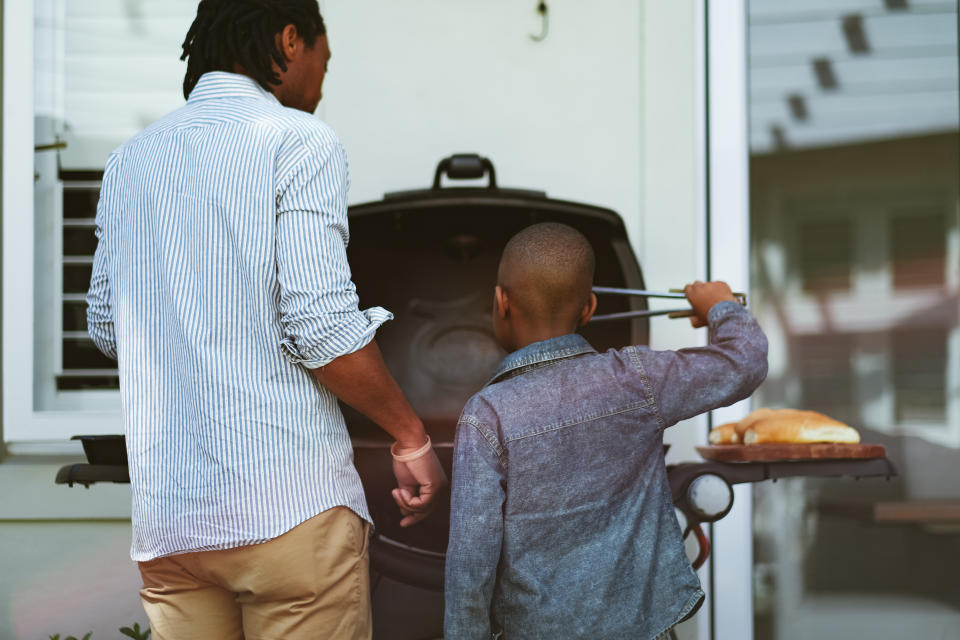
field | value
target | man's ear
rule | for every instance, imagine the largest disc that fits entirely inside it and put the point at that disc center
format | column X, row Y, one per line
column 588, row 310
column 501, row 303
column 289, row 42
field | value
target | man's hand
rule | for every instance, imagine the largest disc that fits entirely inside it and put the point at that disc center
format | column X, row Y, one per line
column 420, row 478
column 361, row 379
column 702, row 297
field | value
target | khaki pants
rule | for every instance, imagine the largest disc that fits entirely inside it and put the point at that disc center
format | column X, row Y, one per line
column 311, row 582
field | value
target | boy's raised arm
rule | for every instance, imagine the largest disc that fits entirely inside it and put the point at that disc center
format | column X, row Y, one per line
column 476, row 533
column 688, row 382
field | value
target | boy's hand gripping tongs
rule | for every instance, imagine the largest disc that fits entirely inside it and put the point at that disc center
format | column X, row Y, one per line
column 647, row 313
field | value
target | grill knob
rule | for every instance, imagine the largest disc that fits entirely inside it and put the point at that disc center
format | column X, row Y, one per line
column 710, row 496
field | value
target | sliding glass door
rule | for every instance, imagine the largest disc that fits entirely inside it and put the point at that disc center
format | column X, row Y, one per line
column 855, row 273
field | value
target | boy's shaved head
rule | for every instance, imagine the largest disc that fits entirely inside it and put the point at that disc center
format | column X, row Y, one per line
column 547, row 269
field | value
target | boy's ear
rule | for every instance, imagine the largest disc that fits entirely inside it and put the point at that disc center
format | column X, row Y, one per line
column 500, row 302
column 588, row 310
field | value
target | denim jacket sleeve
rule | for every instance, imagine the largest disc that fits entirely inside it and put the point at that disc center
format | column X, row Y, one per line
column 688, row 382
column 476, row 531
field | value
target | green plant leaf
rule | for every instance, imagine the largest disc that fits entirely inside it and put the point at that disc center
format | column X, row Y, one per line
column 55, row 636
column 135, row 632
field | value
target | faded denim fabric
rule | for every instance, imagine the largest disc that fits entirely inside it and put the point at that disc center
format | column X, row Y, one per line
column 562, row 523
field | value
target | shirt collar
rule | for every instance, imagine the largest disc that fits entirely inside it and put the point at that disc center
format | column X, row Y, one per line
column 541, row 352
column 222, row 84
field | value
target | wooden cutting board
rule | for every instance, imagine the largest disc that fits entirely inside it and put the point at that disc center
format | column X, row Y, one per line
column 778, row 452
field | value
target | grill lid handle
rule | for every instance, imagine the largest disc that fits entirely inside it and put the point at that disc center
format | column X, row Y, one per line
column 465, row 166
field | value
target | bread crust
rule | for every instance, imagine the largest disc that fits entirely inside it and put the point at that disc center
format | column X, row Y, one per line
column 725, row 434
column 752, row 418
column 796, row 426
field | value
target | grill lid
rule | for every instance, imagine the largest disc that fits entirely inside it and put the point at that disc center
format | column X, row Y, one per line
column 430, row 256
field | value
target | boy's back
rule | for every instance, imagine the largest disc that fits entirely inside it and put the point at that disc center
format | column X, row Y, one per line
column 562, row 520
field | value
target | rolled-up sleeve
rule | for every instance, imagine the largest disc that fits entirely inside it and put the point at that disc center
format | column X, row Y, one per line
column 319, row 307
column 99, row 306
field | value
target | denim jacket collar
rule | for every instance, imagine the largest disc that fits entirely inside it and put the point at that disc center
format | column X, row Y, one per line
column 539, row 353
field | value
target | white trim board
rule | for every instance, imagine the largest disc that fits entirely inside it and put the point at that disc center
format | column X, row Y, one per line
column 729, row 246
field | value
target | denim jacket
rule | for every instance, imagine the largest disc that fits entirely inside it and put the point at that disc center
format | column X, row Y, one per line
column 562, row 523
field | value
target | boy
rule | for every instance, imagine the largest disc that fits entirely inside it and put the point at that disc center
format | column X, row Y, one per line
column 562, row 523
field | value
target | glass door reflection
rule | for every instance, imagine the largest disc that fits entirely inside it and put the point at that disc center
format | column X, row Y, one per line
column 855, row 260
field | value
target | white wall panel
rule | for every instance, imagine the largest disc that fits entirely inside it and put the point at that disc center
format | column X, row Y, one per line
column 408, row 84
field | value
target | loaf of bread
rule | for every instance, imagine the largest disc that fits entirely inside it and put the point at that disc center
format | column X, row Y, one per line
column 732, row 432
column 784, row 426
column 725, row 434
column 795, row 426
column 752, row 418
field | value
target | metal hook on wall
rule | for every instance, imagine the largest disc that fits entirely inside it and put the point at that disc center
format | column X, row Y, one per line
column 545, row 26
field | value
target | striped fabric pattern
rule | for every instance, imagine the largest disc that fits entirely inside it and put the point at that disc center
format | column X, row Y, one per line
column 220, row 278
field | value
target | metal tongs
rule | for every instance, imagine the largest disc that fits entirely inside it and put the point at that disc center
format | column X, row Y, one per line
column 647, row 313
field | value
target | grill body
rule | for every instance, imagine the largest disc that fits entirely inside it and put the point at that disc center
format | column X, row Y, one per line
column 431, row 256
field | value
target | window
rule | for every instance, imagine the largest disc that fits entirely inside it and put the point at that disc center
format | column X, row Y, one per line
column 82, row 365
column 87, row 100
column 825, row 365
column 824, row 254
column 919, row 375
column 919, row 249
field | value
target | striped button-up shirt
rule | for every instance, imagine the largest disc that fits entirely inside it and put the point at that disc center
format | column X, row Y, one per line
column 220, row 278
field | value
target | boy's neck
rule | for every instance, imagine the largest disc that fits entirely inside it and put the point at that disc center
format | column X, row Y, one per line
column 527, row 335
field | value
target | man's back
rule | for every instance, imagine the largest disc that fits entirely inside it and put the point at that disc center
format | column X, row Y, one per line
column 221, row 286
column 559, row 477
column 222, row 233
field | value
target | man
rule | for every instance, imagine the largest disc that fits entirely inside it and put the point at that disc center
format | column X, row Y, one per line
column 221, row 286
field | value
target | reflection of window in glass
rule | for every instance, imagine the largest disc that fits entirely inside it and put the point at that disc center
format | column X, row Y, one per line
column 919, row 250
column 853, row 109
column 826, row 381
column 825, row 254
column 919, row 375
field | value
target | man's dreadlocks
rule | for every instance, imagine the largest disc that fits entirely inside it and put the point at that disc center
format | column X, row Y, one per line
column 227, row 33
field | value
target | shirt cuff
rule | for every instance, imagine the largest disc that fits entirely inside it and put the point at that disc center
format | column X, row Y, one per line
column 722, row 310
column 349, row 338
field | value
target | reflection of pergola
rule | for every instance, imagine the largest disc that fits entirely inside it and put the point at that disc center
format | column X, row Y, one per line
column 828, row 72
column 878, row 344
